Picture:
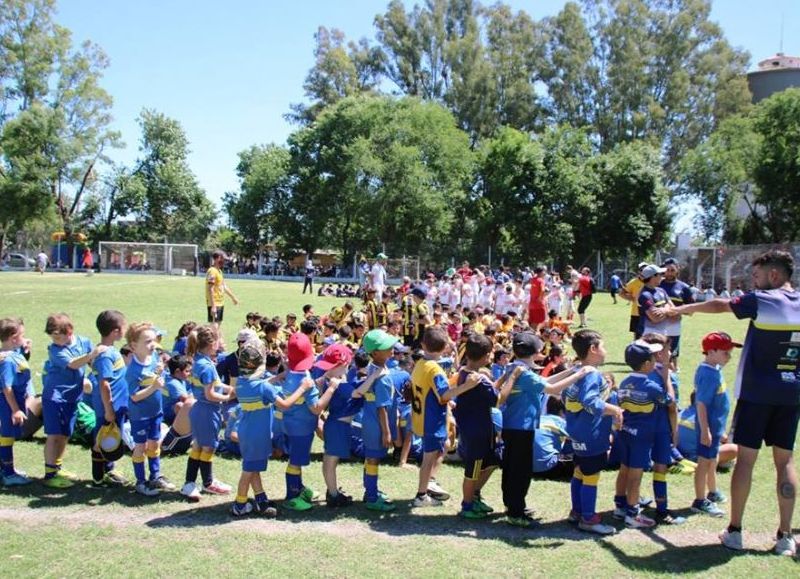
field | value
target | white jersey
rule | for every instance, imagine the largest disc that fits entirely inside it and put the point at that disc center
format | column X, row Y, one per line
column 486, row 297
column 467, row 296
column 554, row 299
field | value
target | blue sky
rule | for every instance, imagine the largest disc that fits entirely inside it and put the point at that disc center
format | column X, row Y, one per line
column 228, row 71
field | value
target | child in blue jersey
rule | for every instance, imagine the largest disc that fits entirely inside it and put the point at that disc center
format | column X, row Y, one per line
column 63, row 384
column 145, row 383
column 522, row 395
column 300, row 421
column 501, row 358
column 663, row 451
column 177, row 401
column 256, row 400
column 110, row 397
column 639, row 397
column 333, row 363
column 713, row 405
column 15, row 377
column 206, row 414
column 687, row 437
column 589, row 414
column 378, row 393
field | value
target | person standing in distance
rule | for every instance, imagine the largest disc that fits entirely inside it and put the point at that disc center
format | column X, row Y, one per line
column 767, row 389
column 679, row 294
column 216, row 289
column 378, row 276
column 308, row 281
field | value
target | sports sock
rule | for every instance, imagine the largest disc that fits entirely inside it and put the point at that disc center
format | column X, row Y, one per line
column 660, row 491
column 193, row 465
column 575, row 486
column 589, row 495
column 294, row 481
column 7, row 455
column 154, row 463
column 138, row 469
column 98, row 466
column 50, row 470
column 370, row 482
column 206, row 472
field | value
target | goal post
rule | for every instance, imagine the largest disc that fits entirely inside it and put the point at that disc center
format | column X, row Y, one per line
column 135, row 257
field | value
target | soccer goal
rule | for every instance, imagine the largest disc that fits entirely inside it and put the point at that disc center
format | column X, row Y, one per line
column 168, row 258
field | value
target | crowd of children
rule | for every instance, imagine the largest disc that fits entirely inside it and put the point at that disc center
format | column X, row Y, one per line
column 419, row 373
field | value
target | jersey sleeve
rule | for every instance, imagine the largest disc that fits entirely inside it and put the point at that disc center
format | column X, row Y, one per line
column 103, row 367
column 590, row 397
column 745, row 306
column 61, row 358
column 706, row 386
column 208, row 375
column 176, row 388
column 312, row 396
column 268, row 393
column 646, row 300
column 7, row 374
column 383, row 391
column 440, row 385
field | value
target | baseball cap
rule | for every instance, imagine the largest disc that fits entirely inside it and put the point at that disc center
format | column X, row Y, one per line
column 300, row 352
column 526, row 344
column 639, row 352
column 246, row 334
column 251, row 355
column 718, row 341
column 399, row 348
column 380, row 256
column 642, row 265
column 377, row 340
column 651, row 270
column 419, row 292
column 334, row 355
column 669, row 261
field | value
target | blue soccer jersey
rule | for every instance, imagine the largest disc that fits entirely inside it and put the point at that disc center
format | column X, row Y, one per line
column 256, row 400
column 661, row 410
column 687, row 433
column 204, row 374
column 548, row 442
column 380, row 395
column 769, row 368
column 523, row 405
column 60, row 382
column 299, row 420
column 141, row 375
column 15, row 374
column 710, row 389
column 639, row 398
column 473, row 416
column 648, row 299
column 429, row 411
column 585, row 401
column 174, row 392
column 110, row 366
column 679, row 293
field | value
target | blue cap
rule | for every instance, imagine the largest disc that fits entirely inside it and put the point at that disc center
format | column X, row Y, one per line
column 639, row 352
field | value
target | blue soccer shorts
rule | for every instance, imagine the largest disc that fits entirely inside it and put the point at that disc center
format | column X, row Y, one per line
column 300, row 449
column 206, row 420
column 337, row 438
column 144, row 429
column 59, row 417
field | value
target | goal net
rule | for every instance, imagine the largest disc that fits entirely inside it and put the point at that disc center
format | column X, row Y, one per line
column 169, row 258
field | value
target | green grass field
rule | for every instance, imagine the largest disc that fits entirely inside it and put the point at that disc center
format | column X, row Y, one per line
column 85, row 531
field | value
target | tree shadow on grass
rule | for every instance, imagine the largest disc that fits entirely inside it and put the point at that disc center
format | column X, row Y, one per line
column 85, row 494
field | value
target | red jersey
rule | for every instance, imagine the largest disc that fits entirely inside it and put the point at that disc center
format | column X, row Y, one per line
column 585, row 286
column 537, row 294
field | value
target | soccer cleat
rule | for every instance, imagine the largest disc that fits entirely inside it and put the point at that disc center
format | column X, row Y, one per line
column 69, row 475
column 381, row 504
column 472, row 513
column 426, row 501
column 191, row 492
column 573, row 518
column 144, row 489
column 639, row 522
column 683, row 466
column 669, row 518
column 785, row 545
column 268, row 509
column 298, row 503
column 717, row 497
column 58, row 482
column 483, row 507
column 732, row 539
column 340, row 500
column 437, row 492
column 16, row 480
column 706, row 507
column 114, row 478
column 595, row 525
column 524, row 522
column 309, row 495
column 162, row 484
column 217, row 488
column 241, row 509
column 620, row 513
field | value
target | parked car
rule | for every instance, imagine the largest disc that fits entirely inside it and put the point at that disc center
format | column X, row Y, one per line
column 19, row 260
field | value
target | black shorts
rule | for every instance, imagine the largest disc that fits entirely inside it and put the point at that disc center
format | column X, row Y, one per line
column 218, row 318
column 774, row 425
column 174, row 445
column 473, row 467
column 590, row 465
column 583, row 305
column 633, row 326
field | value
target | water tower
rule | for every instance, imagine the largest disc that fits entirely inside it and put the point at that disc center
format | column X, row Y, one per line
column 774, row 74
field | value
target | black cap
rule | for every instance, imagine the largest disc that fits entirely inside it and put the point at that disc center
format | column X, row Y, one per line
column 526, row 344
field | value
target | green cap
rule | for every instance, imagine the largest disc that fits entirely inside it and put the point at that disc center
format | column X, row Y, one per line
column 380, row 256
column 376, row 340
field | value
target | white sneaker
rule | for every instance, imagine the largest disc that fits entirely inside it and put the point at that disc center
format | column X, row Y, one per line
column 437, row 492
column 426, row 501
column 786, row 545
column 639, row 522
column 595, row 525
column 191, row 492
column 732, row 540
column 217, row 488
column 144, row 489
column 620, row 513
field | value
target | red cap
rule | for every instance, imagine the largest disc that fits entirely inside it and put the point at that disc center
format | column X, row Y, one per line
column 718, row 341
column 334, row 355
column 300, row 352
